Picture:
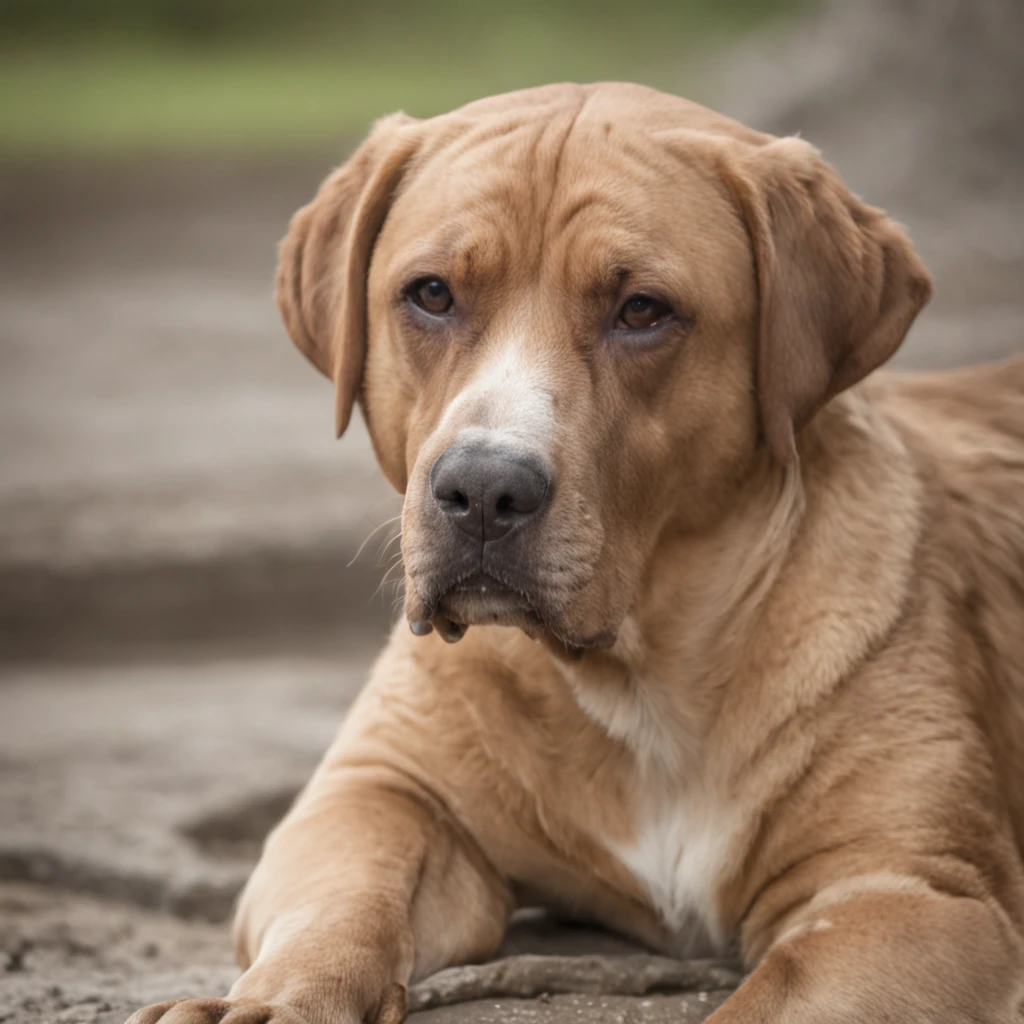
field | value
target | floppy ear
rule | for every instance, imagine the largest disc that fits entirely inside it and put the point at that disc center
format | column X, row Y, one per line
column 839, row 283
column 325, row 257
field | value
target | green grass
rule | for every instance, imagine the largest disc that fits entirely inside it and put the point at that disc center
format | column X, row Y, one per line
column 149, row 93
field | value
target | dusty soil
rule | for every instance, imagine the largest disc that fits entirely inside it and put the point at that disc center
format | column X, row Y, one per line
column 72, row 958
column 179, row 631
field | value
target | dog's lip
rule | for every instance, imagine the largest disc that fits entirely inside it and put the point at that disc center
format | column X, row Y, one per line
column 514, row 607
column 479, row 582
column 488, row 590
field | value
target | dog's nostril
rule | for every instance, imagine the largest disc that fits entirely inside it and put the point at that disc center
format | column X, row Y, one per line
column 487, row 492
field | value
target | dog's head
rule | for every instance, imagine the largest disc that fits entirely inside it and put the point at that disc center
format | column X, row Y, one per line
column 575, row 318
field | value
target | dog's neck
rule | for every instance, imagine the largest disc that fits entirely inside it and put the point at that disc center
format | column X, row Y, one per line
column 695, row 648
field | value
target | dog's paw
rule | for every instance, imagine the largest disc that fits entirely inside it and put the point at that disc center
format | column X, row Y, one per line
column 389, row 1008
column 215, row 1011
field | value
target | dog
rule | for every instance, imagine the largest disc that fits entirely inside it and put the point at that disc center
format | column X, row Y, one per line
column 740, row 632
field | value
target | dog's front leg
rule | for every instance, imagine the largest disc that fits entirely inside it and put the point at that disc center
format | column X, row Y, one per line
column 366, row 884
column 900, row 957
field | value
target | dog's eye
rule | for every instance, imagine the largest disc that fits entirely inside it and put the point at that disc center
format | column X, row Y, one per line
column 432, row 295
column 639, row 311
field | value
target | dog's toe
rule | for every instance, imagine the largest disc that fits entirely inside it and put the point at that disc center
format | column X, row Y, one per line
column 214, row 1011
column 152, row 1014
column 259, row 1013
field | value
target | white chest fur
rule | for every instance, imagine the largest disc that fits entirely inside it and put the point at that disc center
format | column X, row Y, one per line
column 679, row 854
column 685, row 832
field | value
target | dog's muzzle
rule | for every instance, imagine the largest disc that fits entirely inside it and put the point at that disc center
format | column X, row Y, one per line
column 484, row 525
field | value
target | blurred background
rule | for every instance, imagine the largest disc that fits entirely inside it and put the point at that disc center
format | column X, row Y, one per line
column 183, row 618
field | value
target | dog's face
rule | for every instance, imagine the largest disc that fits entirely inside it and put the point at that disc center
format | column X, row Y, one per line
column 565, row 314
column 560, row 361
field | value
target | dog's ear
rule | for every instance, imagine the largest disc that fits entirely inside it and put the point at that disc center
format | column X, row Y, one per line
column 839, row 283
column 325, row 258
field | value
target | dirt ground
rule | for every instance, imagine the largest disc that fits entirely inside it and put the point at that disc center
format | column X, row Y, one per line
column 180, row 630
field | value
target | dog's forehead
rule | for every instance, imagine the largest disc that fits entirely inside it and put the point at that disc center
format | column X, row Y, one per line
column 618, row 159
column 533, row 129
column 622, row 103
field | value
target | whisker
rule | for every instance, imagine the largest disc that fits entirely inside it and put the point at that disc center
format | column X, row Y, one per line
column 396, row 558
column 391, row 540
column 385, row 582
column 372, row 533
column 383, row 553
column 396, row 563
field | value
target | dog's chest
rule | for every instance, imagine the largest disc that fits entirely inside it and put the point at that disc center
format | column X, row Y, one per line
column 679, row 854
column 684, row 831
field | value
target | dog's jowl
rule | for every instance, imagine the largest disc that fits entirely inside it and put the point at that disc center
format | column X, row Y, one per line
column 710, row 634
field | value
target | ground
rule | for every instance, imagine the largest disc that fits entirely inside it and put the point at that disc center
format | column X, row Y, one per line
column 180, row 628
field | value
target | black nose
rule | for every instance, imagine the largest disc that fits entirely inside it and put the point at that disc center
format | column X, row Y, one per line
column 487, row 492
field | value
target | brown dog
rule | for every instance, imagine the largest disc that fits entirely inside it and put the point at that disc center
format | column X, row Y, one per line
column 766, row 685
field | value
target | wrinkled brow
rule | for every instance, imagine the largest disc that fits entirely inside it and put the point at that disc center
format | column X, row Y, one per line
column 471, row 258
column 606, row 278
column 608, row 271
column 592, row 200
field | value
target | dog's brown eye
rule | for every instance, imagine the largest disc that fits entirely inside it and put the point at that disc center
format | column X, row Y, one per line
column 432, row 295
column 641, row 311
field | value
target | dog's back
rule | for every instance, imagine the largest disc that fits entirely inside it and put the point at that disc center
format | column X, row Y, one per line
column 967, row 428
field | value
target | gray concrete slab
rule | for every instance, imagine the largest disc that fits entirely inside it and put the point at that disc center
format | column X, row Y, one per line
column 155, row 784
column 168, row 471
column 150, row 400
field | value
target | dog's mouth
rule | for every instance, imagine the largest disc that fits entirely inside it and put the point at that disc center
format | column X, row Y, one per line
column 481, row 599
column 478, row 599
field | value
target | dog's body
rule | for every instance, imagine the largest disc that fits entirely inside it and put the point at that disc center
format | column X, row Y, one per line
column 767, row 689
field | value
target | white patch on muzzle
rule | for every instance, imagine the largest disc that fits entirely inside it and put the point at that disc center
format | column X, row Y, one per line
column 508, row 401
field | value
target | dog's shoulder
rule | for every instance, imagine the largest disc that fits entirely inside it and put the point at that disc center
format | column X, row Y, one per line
column 965, row 429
